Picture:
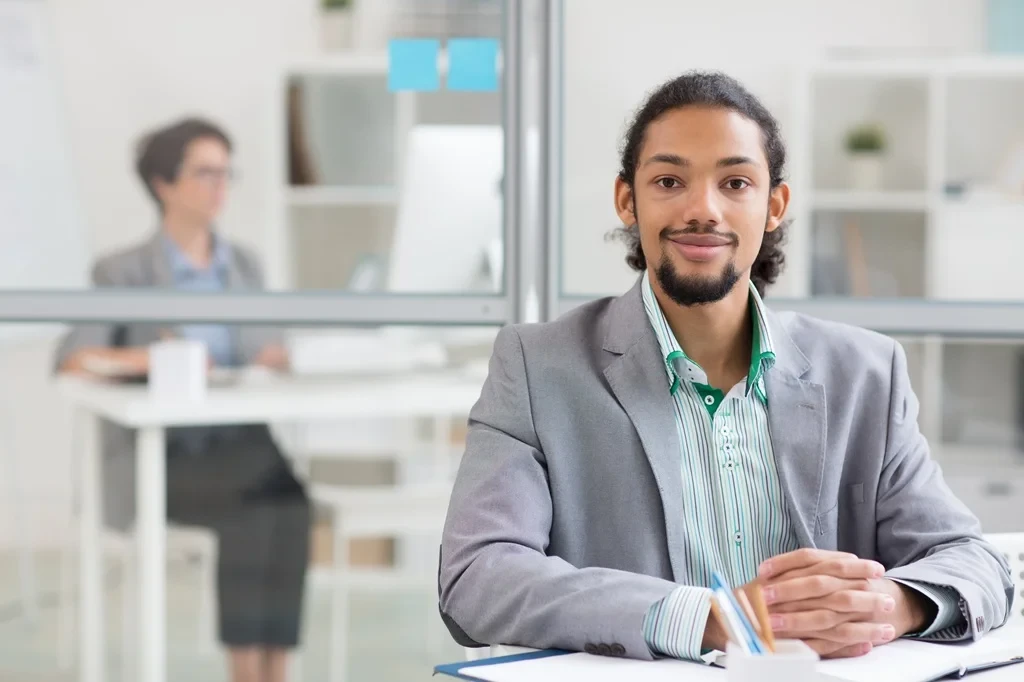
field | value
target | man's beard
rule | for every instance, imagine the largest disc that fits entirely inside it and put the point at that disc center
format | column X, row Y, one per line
column 690, row 290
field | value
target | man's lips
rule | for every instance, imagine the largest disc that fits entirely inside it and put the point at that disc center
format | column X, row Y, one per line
column 701, row 239
column 700, row 248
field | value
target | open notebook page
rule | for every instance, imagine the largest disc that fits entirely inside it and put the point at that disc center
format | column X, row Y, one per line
column 595, row 669
column 910, row 661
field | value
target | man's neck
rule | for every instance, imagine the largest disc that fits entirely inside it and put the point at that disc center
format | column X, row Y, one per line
column 717, row 336
column 194, row 238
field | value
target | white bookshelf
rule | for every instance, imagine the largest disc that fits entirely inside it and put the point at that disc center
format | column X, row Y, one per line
column 867, row 201
column 356, row 136
column 950, row 122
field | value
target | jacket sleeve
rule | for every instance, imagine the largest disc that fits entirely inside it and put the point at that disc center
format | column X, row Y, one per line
column 926, row 535
column 254, row 338
column 93, row 335
column 497, row 583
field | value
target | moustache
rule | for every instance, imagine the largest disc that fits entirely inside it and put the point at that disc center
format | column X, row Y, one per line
column 672, row 233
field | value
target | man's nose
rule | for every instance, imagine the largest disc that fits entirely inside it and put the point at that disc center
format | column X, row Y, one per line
column 702, row 205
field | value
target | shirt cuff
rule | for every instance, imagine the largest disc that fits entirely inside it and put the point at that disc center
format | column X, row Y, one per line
column 946, row 600
column 675, row 625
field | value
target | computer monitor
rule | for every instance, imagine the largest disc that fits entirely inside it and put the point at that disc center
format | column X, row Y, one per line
column 449, row 221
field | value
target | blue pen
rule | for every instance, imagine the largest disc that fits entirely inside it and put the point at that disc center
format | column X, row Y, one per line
column 721, row 587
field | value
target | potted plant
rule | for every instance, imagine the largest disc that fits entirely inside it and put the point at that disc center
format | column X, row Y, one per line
column 865, row 145
column 336, row 24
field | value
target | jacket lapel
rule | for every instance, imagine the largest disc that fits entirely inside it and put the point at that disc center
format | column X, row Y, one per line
column 797, row 422
column 638, row 380
column 158, row 268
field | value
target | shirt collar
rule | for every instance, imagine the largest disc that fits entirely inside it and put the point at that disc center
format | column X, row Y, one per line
column 678, row 365
column 181, row 265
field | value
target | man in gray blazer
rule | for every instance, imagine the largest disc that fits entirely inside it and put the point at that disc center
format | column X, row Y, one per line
column 232, row 479
column 620, row 455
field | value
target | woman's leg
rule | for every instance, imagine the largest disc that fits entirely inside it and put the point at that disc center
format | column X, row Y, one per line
column 246, row 664
column 276, row 663
column 244, row 490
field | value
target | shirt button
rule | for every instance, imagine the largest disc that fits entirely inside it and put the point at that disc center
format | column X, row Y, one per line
column 709, row 400
column 727, row 447
column 738, row 537
column 730, row 465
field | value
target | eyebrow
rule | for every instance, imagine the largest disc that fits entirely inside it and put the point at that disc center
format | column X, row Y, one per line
column 677, row 160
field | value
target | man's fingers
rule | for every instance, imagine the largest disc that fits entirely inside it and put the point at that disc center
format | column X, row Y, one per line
column 802, row 623
column 854, row 602
column 857, row 633
column 811, row 587
column 801, row 558
column 828, row 649
column 851, row 569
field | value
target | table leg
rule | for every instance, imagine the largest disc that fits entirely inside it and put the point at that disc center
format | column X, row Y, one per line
column 92, row 644
column 151, row 531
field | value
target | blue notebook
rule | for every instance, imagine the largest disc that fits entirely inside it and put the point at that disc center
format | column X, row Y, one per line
column 463, row 669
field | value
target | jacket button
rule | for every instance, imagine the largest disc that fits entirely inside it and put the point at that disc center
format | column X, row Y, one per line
column 979, row 622
column 604, row 650
column 590, row 649
column 618, row 649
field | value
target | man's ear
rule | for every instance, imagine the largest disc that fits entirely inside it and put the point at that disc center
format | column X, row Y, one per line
column 624, row 199
column 778, row 203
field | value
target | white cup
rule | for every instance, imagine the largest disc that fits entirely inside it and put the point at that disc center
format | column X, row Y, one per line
column 177, row 369
column 793, row 661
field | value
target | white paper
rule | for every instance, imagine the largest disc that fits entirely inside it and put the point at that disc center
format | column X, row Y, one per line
column 596, row 669
column 909, row 660
column 902, row 661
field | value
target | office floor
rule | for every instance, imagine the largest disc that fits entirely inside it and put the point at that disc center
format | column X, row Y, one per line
column 386, row 638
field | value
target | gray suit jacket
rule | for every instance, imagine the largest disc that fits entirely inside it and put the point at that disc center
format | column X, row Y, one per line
column 146, row 266
column 565, row 523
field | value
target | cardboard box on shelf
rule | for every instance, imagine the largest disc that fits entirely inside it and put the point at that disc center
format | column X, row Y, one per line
column 363, row 552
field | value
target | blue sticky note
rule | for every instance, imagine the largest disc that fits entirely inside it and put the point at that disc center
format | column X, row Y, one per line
column 1006, row 26
column 473, row 64
column 412, row 64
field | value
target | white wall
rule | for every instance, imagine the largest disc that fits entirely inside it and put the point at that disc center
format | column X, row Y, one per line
column 128, row 65
column 616, row 51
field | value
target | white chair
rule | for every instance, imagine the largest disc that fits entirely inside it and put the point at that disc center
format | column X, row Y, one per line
column 184, row 543
column 374, row 512
column 1012, row 547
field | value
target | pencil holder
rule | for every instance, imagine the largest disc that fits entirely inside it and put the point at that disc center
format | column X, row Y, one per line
column 793, row 661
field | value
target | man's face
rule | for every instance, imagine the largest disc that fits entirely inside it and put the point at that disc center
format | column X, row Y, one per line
column 702, row 200
column 201, row 186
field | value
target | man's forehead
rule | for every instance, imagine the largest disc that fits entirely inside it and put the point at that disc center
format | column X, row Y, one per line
column 703, row 134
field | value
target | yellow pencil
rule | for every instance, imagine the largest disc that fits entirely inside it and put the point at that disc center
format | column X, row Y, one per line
column 761, row 609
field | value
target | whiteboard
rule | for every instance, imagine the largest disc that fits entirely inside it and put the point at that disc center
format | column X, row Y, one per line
column 42, row 236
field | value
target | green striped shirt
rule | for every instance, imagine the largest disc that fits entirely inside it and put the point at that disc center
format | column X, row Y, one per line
column 735, row 514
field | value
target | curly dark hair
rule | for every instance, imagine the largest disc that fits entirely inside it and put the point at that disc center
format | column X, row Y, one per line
column 709, row 89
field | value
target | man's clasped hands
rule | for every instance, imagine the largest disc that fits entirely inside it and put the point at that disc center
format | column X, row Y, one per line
column 838, row 604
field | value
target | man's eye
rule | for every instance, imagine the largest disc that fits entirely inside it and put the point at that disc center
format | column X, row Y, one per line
column 737, row 183
column 668, row 183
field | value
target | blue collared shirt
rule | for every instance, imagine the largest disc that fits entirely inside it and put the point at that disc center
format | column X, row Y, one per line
column 219, row 338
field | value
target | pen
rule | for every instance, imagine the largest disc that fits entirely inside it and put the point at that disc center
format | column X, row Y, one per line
column 761, row 609
column 733, row 610
column 733, row 626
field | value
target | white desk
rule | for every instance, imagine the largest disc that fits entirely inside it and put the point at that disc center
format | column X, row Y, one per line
column 260, row 399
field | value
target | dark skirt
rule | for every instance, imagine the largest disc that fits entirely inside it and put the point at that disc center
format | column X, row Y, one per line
column 235, row 481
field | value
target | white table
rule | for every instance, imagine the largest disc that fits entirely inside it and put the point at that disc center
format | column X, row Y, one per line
column 259, row 399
